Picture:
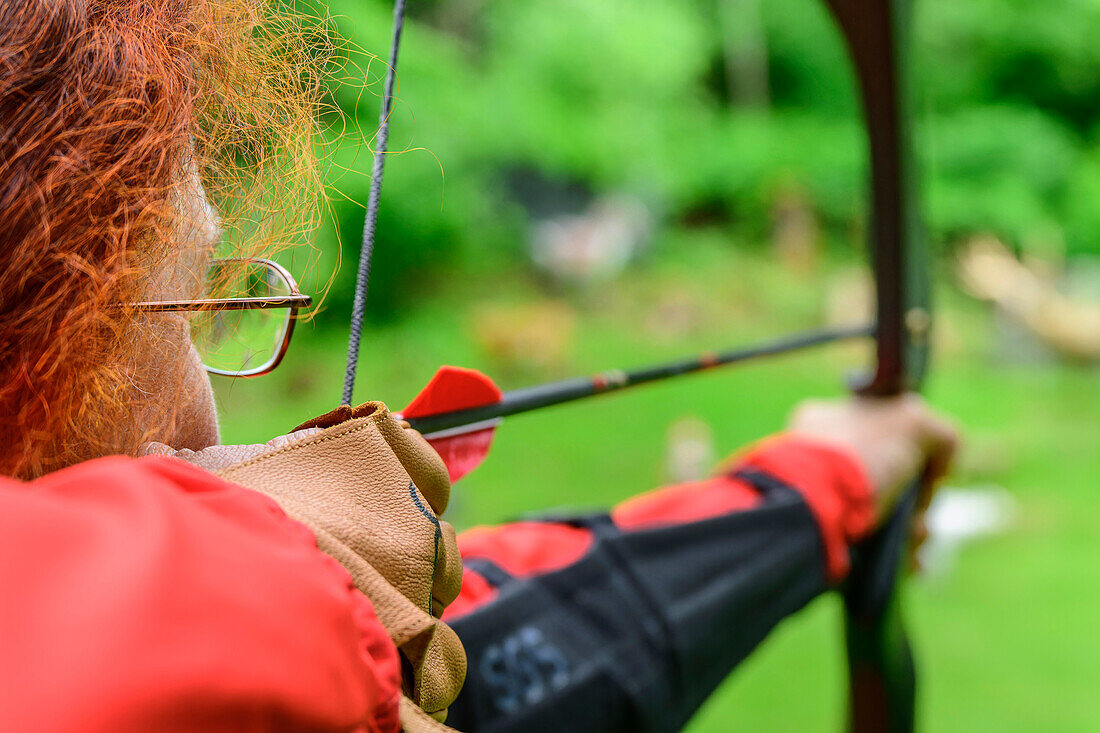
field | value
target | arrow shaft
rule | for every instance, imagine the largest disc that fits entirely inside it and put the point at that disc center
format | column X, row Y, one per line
column 531, row 398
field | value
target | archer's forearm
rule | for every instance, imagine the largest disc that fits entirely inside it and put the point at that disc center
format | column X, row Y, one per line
column 629, row 621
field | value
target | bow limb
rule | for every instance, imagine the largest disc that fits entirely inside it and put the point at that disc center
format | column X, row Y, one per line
column 882, row 674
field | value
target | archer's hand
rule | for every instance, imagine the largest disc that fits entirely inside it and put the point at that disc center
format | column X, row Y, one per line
column 896, row 439
column 372, row 491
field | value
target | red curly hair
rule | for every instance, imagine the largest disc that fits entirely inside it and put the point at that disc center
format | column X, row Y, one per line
column 104, row 107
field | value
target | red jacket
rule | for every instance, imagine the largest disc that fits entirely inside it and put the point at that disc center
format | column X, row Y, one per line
column 147, row 594
column 151, row 595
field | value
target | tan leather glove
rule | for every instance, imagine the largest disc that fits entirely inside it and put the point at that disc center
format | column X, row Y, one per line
column 372, row 490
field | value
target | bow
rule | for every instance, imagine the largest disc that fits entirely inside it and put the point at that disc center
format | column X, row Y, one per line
column 460, row 409
column 882, row 676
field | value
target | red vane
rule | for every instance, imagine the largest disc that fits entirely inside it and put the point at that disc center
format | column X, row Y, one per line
column 453, row 388
column 463, row 453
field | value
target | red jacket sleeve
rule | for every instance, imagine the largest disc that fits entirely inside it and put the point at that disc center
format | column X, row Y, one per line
column 830, row 481
column 147, row 594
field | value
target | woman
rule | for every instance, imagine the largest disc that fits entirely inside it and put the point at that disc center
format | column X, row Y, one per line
column 156, row 580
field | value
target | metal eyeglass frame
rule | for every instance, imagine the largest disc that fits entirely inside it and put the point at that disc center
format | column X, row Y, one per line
column 294, row 301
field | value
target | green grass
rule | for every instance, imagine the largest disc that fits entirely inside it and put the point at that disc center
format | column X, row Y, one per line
column 1006, row 641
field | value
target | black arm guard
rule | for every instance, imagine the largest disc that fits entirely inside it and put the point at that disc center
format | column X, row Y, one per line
column 636, row 634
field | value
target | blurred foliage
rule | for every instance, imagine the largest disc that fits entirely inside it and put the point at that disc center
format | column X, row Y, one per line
column 650, row 97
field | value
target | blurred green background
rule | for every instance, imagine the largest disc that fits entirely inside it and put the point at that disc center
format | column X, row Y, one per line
column 724, row 133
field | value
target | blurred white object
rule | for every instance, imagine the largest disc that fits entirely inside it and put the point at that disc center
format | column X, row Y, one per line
column 594, row 245
column 690, row 452
column 958, row 516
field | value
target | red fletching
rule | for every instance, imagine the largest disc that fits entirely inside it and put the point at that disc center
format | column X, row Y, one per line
column 463, row 453
column 455, row 388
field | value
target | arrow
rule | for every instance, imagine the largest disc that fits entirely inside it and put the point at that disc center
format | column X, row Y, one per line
column 459, row 409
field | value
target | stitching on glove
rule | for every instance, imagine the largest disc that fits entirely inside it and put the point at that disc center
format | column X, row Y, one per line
column 438, row 531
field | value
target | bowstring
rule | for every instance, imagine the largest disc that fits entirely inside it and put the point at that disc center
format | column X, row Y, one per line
column 370, row 222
